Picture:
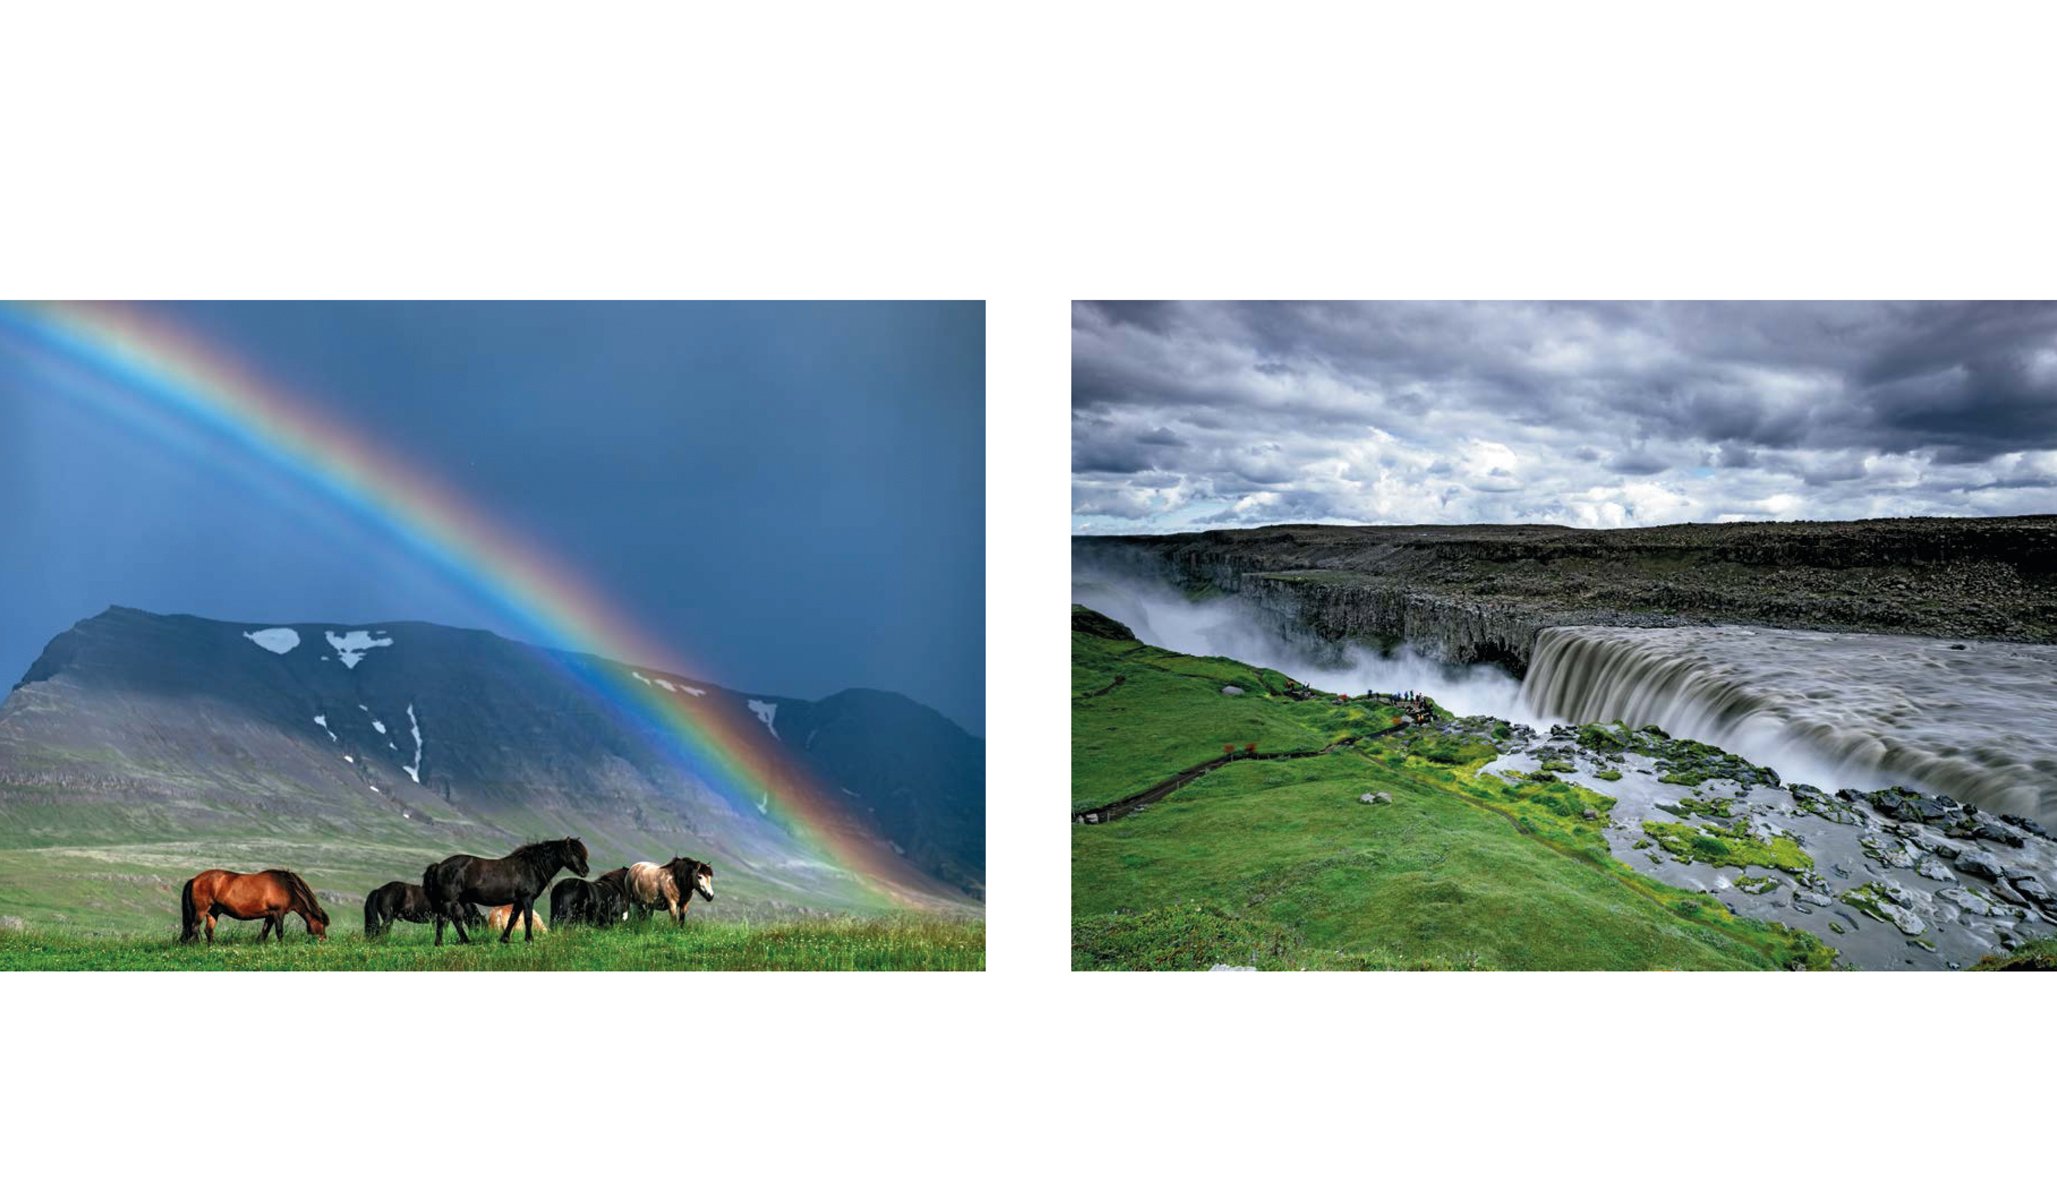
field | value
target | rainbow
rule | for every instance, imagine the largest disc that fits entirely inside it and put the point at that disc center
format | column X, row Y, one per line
column 191, row 382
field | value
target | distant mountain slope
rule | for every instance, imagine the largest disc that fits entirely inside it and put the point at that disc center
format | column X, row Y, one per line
column 137, row 729
column 1480, row 592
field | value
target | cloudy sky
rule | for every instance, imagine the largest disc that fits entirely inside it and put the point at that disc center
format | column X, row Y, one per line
column 789, row 495
column 1203, row 415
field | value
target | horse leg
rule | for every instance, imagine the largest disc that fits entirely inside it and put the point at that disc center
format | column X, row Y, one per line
column 264, row 933
column 439, row 927
column 210, row 928
column 457, row 921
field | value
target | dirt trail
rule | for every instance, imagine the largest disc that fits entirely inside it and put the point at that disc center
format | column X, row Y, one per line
column 1118, row 681
column 1158, row 791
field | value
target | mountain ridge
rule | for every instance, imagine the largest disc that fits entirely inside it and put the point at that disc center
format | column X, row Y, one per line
column 133, row 728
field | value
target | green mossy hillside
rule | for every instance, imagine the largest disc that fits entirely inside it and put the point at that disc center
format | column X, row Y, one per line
column 1280, row 864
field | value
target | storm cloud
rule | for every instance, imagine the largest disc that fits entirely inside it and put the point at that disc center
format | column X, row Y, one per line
column 1195, row 415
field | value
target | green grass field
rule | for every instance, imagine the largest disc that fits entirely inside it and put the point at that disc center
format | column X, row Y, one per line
column 1276, row 864
column 1168, row 714
column 829, row 944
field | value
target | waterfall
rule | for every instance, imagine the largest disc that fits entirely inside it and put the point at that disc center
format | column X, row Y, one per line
column 1969, row 719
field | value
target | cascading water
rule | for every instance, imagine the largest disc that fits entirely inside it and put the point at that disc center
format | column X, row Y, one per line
column 1970, row 719
column 1232, row 628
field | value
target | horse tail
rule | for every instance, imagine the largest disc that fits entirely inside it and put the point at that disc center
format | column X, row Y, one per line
column 371, row 914
column 189, row 920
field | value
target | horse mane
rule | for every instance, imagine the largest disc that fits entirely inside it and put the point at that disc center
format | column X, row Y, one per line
column 297, row 888
column 537, row 849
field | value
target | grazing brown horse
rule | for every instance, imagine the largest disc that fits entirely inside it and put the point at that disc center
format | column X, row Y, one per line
column 518, row 879
column 671, row 885
column 267, row 894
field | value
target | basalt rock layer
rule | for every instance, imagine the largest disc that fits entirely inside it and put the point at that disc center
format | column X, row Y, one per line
column 1481, row 593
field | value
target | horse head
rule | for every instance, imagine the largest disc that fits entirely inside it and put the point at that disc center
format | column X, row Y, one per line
column 574, row 856
column 692, row 875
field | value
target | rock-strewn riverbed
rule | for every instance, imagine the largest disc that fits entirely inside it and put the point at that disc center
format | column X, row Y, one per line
column 1892, row 879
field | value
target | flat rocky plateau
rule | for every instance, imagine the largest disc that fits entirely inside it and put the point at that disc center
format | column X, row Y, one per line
column 1475, row 593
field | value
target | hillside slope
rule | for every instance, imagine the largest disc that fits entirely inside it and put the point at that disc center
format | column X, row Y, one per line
column 139, row 746
column 1273, row 860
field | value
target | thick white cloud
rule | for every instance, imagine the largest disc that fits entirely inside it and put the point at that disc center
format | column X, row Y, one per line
column 1195, row 415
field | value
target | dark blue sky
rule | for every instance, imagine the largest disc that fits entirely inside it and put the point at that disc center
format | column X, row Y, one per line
column 792, row 494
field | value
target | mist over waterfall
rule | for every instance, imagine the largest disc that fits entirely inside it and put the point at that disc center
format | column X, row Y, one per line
column 1969, row 719
column 1234, row 628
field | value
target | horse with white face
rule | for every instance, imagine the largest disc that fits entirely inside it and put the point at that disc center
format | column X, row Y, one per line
column 671, row 885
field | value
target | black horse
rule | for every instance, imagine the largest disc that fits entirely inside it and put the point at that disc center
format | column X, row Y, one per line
column 597, row 902
column 517, row 879
column 403, row 901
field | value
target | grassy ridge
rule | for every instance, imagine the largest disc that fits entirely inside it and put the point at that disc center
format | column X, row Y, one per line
column 1168, row 714
column 1277, row 864
column 835, row 944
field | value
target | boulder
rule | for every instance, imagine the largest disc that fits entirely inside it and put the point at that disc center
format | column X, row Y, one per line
column 1231, row 690
column 1981, row 864
column 1965, row 900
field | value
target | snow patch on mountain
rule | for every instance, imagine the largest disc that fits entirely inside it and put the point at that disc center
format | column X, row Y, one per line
column 379, row 725
column 323, row 721
column 278, row 641
column 414, row 772
column 669, row 686
column 351, row 647
column 765, row 712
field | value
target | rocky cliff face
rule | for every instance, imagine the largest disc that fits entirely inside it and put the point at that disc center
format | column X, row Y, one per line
column 1481, row 593
column 137, row 728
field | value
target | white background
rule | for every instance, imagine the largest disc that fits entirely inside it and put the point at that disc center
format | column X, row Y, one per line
column 1026, row 155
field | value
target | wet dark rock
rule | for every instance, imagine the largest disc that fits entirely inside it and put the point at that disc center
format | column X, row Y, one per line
column 1907, row 805
column 1931, row 868
column 1981, row 864
column 2025, row 823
